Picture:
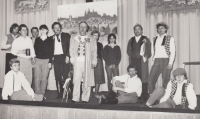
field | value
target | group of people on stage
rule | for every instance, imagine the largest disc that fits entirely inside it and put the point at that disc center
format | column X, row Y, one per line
column 83, row 54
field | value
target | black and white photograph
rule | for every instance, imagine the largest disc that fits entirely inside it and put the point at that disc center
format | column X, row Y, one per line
column 99, row 59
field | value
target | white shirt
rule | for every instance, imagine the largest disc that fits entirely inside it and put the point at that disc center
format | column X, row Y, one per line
column 190, row 94
column 160, row 51
column 133, row 84
column 4, row 42
column 58, row 46
column 137, row 38
column 22, row 43
column 19, row 82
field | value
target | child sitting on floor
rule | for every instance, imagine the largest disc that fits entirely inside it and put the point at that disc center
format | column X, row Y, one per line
column 179, row 91
column 16, row 86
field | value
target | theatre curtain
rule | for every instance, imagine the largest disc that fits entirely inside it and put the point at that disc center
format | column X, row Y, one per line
column 184, row 26
column 31, row 19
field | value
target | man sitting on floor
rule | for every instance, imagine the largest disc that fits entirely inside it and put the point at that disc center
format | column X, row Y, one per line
column 16, row 86
column 179, row 91
column 128, row 88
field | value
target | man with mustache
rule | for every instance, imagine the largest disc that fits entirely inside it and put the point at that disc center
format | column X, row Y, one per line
column 61, row 42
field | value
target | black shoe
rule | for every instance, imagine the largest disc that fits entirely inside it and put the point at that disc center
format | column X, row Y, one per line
column 144, row 105
column 44, row 98
column 84, row 102
column 72, row 101
column 58, row 97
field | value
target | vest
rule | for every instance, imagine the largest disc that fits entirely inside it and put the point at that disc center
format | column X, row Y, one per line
column 10, row 39
column 184, row 89
column 166, row 43
column 136, row 46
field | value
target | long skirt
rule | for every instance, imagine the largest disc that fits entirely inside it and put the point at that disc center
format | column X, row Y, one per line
column 99, row 72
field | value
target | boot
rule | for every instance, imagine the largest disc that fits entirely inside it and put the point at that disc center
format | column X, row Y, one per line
column 58, row 90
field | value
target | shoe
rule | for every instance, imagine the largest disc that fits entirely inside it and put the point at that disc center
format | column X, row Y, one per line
column 84, row 102
column 72, row 101
column 144, row 105
column 44, row 98
column 97, row 96
column 102, row 99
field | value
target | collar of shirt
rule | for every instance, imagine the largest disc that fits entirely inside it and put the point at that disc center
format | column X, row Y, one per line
column 79, row 37
column 161, row 36
column 113, row 45
column 181, row 82
column 137, row 38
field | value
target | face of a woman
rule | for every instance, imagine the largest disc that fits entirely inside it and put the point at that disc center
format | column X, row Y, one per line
column 15, row 30
column 43, row 31
column 95, row 36
column 112, row 39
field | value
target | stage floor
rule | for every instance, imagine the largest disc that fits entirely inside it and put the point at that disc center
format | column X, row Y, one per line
column 50, row 95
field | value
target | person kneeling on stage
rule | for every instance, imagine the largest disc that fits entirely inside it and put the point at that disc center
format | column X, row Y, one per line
column 179, row 91
column 16, row 86
column 128, row 88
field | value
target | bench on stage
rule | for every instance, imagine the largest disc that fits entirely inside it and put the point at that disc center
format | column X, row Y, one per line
column 55, row 110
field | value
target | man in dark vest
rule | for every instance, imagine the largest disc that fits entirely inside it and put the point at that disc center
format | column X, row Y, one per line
column 139, row 51
column 7, row 44
column 60, row 52
column 163, row 54
column 179, row 91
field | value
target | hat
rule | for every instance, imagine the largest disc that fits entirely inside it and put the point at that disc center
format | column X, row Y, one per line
column 162, row 24
column 179, row 71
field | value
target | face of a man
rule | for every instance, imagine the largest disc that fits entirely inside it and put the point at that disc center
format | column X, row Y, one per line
column 24, row 31
column 43, row 31
column 180, row 78
column 161, row 30
column 138, row 31
column 57, row 29
column 35, row 33
column 132, row 72
column 15, row 30
column 83, row 29
column 95, row 36
column 15, row 67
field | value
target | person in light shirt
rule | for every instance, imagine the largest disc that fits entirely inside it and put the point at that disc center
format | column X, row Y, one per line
column 16, row 85
column 6, row 44
column 179, row 91
column 163, row 55
column 128, row 88
column 22, row 47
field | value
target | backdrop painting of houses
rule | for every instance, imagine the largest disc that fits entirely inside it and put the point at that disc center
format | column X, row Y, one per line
column 166, row 5
column 101, row 16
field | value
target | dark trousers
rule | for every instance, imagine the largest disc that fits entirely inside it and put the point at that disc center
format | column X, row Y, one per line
column 111, row 72
column 159, row 66
column 9, row 56
column 61, row 70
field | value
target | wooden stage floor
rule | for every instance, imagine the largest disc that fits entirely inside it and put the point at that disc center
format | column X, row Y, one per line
column 56, row 109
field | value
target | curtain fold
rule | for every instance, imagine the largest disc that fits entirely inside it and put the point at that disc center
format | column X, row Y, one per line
column 31, row 19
